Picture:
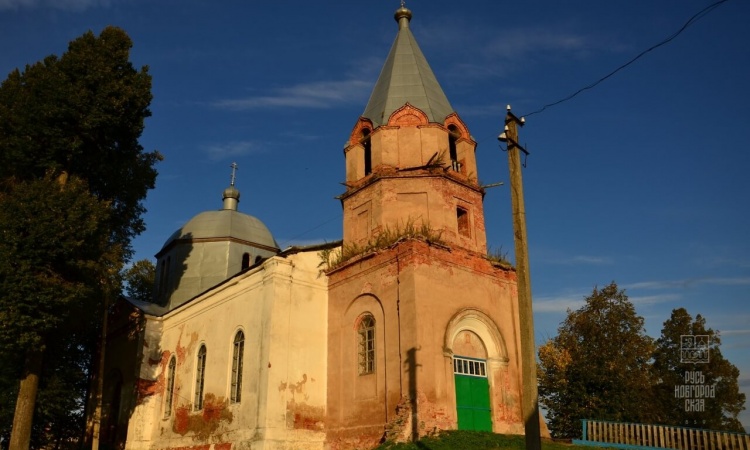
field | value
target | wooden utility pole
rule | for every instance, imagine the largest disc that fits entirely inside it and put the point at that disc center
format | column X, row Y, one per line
column 530, row 400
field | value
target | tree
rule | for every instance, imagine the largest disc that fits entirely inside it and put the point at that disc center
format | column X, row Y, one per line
column 48, row 274
column 73, row 177
column 83, row 114
column 716, row 408
column 139, row 279
column 597, row 366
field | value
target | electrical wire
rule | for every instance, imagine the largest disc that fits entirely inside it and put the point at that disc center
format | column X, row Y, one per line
column 311, row 229
column 699, row 15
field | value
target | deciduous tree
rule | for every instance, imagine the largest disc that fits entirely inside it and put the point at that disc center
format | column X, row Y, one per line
column 597, row 366
column 139, row 279
column 73, row 177
column 82, row 114
column 54, row 249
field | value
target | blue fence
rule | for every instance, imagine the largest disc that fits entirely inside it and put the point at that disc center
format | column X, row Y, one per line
column 600, row 433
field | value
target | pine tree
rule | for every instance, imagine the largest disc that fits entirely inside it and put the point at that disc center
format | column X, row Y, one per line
column 722, row 402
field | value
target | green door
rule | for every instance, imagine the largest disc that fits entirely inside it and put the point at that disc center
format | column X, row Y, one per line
column 472, row 394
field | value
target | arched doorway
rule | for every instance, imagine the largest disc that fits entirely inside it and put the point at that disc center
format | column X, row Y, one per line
column 473, row 406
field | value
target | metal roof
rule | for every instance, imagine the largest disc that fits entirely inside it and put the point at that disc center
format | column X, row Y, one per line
column 406, row 77
column 225, row 223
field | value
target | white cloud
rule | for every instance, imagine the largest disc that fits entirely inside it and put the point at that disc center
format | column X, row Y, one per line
column 231, row 149
column 653, row 299
column 557, row 304
column 69, row 5
column 578, row 259
column 518, row 44
column 587, row 259
column 319, row 94
column 689, row 282
column 734, row 332
column 560, row 304
column 16, row 4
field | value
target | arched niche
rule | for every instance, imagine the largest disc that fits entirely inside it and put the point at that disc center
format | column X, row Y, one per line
column 483, row 327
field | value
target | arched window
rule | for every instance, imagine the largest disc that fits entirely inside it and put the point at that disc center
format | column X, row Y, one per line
column 200, row 375
column 366, row 345
column 237, row 356
column 258, row 259
column 245, row 261
column 368, row 151
column 170, row 387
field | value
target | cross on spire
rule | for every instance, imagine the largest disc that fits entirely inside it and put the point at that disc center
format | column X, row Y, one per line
column 234, row 173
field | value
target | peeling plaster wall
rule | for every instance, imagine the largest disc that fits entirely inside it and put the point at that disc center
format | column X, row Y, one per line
column 417, row 294
column 281, row 307
column 420, row 197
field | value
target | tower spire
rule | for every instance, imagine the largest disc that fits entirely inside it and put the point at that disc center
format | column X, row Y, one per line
column 406, row 77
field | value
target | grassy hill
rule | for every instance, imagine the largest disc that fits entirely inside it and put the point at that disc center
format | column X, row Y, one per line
column 475, row 440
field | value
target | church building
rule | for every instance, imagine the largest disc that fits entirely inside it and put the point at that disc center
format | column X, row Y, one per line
column 403, row 328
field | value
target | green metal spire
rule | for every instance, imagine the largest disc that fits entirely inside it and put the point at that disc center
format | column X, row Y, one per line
column 406, row 77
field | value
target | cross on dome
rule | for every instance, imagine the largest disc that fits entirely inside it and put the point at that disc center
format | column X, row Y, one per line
column 234, row 173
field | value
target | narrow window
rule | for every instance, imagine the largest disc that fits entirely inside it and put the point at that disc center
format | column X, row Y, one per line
column 462, row 217
column 170, row 387
column 368, row 151
column 453, row 136
column 258, row 259
column 237, row 355
column 162, row 276
column 245, row 261
column 200, row 374
column 366, row 336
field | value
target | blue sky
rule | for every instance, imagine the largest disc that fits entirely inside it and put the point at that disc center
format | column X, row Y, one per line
column 641, row 180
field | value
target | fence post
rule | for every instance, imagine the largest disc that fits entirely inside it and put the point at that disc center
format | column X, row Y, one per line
column 584, row 428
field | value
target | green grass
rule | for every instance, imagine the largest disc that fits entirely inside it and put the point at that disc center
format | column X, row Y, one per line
column 336, row 257
column 475, row 440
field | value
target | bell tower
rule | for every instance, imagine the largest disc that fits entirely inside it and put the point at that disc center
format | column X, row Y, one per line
column 422, row 326
column 410, row 159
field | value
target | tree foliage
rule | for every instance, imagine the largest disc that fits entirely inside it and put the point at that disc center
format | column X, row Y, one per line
column 73, row 178
column 139, row 279
column 602, row 365
column 597, row 366
column 53, row 252
column 720, row 411
column 82, row 114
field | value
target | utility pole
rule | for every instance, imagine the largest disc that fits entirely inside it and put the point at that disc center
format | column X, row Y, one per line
column 530, row 394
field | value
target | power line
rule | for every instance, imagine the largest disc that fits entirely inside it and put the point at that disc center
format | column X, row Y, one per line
column 699, row 15
column 311, row 229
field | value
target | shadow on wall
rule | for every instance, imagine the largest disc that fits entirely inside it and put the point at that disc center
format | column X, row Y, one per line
column 169, row 274
column 124, row 388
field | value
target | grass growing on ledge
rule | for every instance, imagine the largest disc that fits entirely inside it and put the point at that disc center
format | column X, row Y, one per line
column 499, row 257
column 335, row 257
column 474, row 440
